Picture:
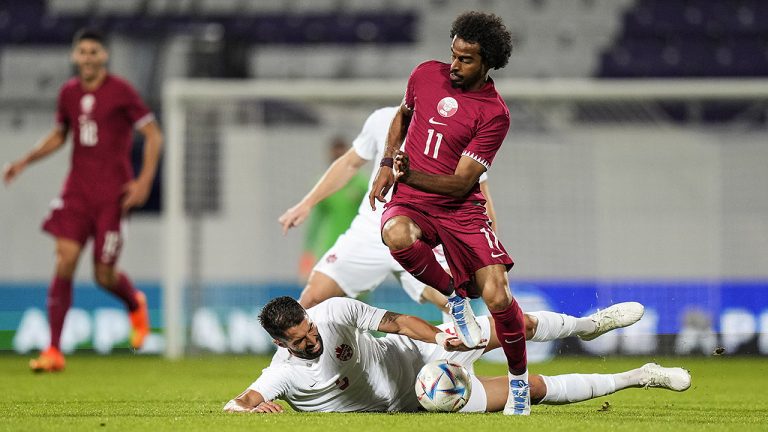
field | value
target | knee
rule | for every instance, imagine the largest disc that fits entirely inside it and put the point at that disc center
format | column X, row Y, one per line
column 399, row 233
column 309, row 298
column 66, row 263
column 497, row 296
column 530, row 326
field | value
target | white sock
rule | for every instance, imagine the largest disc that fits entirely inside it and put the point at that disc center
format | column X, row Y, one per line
column 446, row 317
column 563, row 389
column 523, row 376
column 554, row 326
column 628, row 379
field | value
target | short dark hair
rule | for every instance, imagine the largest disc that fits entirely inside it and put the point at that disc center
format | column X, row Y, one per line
column 280, row 314
column 488, row 31
column 88, row 34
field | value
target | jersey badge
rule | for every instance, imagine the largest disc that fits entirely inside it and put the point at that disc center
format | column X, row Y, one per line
column 344, row 352
column 86, row 103
column 447, row 106
column 331, row 259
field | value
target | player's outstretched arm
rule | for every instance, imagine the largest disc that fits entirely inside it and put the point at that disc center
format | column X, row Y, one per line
column 52, row 142
column 418, row 329
column 137, row 191
column 251, row 401
column 336, row 177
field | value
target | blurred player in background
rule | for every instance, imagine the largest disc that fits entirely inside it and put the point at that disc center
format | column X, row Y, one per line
column 454, row 122
column 358, row 262
column 332, row 214
column 328, row 361
column 101, row 110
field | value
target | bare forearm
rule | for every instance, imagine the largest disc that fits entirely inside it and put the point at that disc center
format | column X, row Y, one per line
column 418, row 329
column 52, row 142
column 336, row 177
column 408, row 325
column 153, row 142
column 449, row 185
column 396, row 134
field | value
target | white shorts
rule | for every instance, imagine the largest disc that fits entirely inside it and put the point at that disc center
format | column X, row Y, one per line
column 478, row 400
column 359, row 262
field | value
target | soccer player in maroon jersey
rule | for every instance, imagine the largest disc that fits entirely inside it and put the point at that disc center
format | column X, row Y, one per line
column 101, row 110
column 454, row 121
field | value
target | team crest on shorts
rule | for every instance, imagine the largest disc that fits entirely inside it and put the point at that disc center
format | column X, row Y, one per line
column 344, row 352
column 447, row 106
column 330, row 259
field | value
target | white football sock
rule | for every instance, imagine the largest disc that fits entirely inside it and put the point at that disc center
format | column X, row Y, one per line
column 628, row 379
column 446, row 317
column 563, row 389
column 554, row 326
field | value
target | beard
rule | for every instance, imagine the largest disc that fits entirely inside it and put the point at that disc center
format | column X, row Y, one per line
column 308, row 353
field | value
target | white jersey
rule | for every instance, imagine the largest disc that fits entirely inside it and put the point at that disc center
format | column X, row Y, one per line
column 355, row 372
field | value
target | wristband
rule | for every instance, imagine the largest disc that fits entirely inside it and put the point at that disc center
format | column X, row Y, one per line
column 387, row 162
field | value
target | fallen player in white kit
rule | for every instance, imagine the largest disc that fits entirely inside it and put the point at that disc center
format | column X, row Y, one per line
column 328, row 361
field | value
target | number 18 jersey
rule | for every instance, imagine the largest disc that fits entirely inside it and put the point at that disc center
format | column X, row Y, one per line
column 102, row 123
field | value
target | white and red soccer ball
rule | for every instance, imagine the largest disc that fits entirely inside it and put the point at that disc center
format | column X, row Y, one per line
column 442, row 386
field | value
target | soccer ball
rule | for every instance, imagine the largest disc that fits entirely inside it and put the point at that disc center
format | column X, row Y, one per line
column 442, row 386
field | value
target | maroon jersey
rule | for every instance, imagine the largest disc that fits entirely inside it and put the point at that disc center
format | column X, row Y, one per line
column 449, row 123
column 102, row 123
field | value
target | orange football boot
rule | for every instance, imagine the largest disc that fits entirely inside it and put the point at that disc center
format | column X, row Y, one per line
column 139, row 321
column 50, row 360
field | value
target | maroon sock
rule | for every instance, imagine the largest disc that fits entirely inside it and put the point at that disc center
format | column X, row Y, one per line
column 510, row 328
column 125, row 291
column 420, row 261
column 59, row 301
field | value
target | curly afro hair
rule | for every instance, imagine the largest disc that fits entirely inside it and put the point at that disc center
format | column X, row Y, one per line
column 489, row 32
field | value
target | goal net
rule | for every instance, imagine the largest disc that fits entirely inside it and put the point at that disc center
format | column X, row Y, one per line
column 605, row 191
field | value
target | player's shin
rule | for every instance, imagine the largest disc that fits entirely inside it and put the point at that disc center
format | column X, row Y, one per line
column 552, row 326
column 510, row 328
column 564, row 389
column 59, row 301
column 419, row 260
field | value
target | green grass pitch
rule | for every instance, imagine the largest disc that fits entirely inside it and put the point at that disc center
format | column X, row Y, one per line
column 138, row 393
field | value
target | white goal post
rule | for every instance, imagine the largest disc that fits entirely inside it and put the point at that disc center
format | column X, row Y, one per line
column 178, row 94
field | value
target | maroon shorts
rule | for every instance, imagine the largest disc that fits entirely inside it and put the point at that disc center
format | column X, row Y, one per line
column 76, row 218
column 467, row 238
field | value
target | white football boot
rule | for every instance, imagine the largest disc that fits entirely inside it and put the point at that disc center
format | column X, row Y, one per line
column 674, row 378
column 616, row 316
column 519, row 397
column 467, row 328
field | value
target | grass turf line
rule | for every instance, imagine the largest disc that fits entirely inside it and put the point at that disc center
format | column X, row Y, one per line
column 138, row 393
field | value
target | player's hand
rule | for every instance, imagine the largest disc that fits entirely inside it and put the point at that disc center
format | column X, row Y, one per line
column 294, row 216
column 135, row 194
column 450, row 342
column 402, row 166
column 267, row 407
column 383, row 182
column 12, row 170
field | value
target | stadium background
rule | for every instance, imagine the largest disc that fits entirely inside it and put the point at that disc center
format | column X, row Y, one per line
column 659, row 201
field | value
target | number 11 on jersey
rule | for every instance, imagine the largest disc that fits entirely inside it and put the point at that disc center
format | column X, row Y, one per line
column 430, row 134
